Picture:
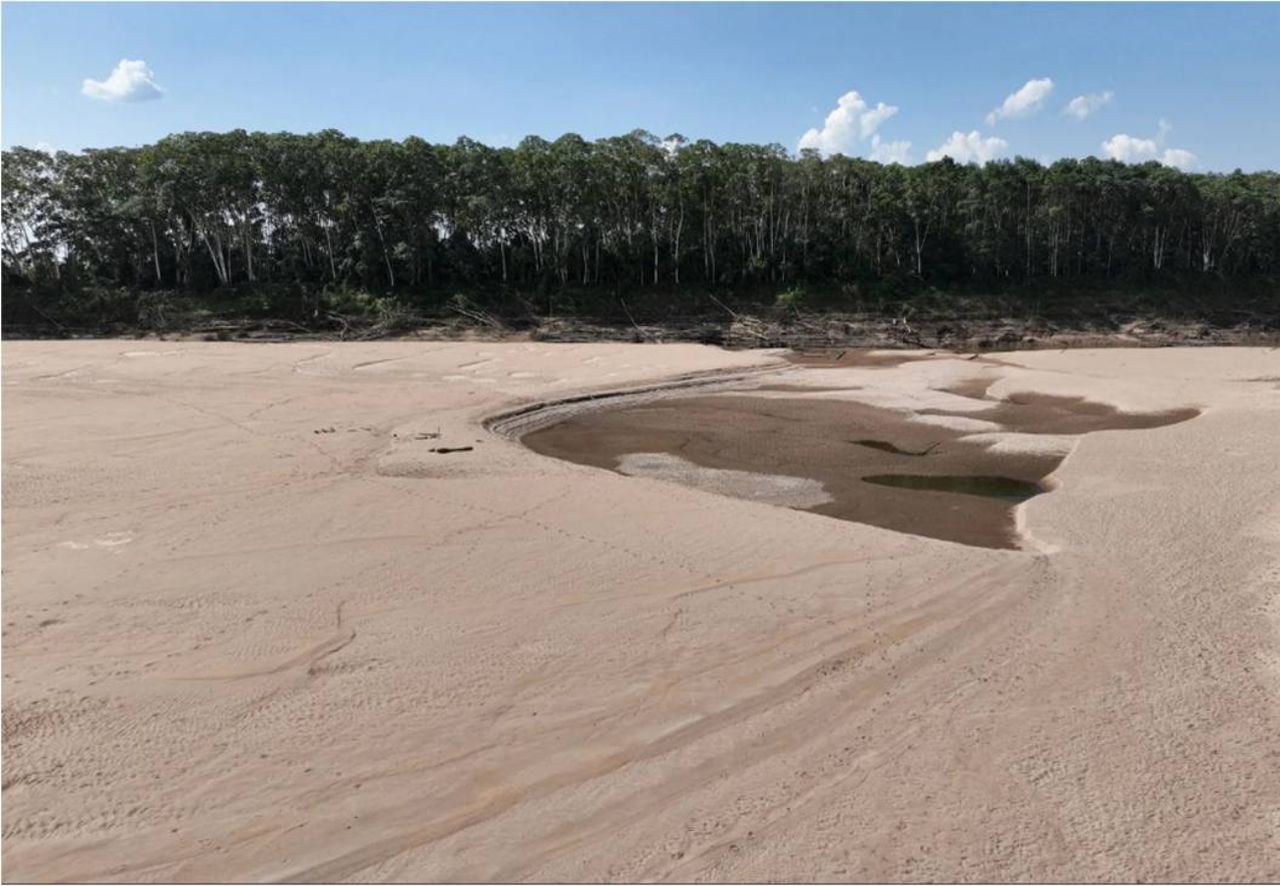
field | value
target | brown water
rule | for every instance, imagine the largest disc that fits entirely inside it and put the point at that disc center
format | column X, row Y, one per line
column 876, row 465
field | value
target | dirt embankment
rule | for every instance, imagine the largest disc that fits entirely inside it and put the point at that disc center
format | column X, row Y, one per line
column 749, row 328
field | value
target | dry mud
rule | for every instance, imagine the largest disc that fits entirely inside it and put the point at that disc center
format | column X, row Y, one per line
column 296, row 612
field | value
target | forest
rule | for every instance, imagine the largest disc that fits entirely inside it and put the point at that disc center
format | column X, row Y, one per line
column 294, row 225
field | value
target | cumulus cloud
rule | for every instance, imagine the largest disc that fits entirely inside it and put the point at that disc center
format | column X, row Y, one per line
column 890, row 152
column 1083, row 106
column 1024, row 102
column 852, row 121
column 1132, row 149
column 131, row 81
column 1178, row 158
column 1129, row 149
column 870, row 121
column 970, row 148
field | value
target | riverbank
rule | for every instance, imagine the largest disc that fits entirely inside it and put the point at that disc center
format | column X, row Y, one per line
column 294, row 612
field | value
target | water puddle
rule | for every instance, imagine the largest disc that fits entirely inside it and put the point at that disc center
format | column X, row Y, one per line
column 1005, row 488
column 844, row 459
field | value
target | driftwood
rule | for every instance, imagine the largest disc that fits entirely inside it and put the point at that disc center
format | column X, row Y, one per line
column 732, row 313
column 640, row 332
column 481, row 317
column 900, row 326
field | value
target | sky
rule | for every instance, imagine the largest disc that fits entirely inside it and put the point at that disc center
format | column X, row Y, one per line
column 1191, row 85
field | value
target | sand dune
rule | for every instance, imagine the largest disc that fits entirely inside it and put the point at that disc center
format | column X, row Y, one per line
column 290, row 612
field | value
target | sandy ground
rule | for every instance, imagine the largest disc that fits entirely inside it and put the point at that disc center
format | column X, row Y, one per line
column 255, row 629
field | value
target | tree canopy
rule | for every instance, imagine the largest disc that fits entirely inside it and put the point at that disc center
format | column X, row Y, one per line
column 199, row 211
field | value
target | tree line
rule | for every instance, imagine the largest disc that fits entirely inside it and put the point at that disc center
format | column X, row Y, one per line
column 197, row 212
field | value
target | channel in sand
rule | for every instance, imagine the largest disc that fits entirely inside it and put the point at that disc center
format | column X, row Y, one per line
column 921, row 471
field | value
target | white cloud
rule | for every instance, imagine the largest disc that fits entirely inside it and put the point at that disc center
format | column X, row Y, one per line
column 851, row 122
column 971, row 148
column 1178, row 158
column 131, row 81
column 1132, row 149
column 890, row 152
column 871, row 120
column 1128, row 149
column 1082, row 106
column 1024, row 102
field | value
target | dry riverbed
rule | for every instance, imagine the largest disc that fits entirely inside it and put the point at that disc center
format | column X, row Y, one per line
column 314, row 611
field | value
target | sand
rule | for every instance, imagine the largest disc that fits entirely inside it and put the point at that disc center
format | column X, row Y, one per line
column 776, row 489
column 255, row 628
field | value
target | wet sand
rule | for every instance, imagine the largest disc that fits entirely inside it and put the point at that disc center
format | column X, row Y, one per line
column 862, row 358
column 307, row 612
column 840, row 443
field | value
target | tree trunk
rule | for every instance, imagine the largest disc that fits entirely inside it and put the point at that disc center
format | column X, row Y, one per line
column 328, row 240
column 386, row 256
column 155, row 252
column 219, row 267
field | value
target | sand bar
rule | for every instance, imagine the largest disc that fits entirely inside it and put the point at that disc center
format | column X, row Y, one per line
column 259, row 625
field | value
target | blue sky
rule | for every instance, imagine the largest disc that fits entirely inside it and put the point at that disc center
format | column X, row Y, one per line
column 749, row 73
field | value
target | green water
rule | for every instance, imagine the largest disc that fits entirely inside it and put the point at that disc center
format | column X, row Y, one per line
column 1005, row 488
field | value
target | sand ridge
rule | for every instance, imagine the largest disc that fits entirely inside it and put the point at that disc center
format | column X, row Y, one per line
column 288, row 640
